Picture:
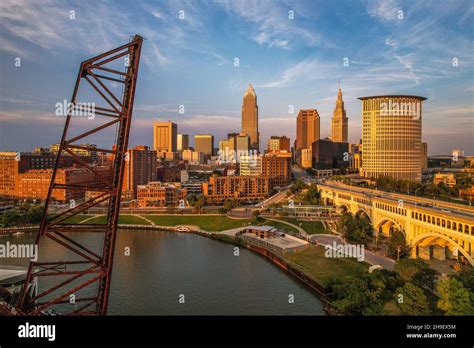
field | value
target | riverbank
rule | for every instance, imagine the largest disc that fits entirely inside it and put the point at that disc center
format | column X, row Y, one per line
column 290, row 262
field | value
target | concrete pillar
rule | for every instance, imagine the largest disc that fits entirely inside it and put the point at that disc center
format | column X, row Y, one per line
column 439, row 252
column 424, row 252
column 413, row 252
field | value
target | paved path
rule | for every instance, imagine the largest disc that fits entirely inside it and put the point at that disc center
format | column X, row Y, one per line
column 301, row 231
column 233, row 231
column 277, row 197
column 369, row 256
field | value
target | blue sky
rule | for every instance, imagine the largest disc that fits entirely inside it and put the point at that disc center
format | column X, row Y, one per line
column 393, row 47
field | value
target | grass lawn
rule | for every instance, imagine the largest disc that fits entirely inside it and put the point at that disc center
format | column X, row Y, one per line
column 280, row 225
column 77, row 218
column 310, row 227
column 123, row 219
column 314, row 264
column 208, row 223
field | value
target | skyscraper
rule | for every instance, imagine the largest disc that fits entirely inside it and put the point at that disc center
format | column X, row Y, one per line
column 204, row 143
column 339, row 127
column 183, row 142
column 140, row 169
column 165, row 135
column 250, row 117
column 307, row 128
column 391, row 136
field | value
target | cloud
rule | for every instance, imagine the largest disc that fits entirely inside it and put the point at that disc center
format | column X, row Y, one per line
column 273, row 27
column 306, row 69
column 384, row 10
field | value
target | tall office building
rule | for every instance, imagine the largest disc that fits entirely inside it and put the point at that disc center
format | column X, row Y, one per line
column 251, row 165
column 250, row 117
column 391, row 136
column 307, row 128
column 277, row 167
column 204, row 143
column 339, row 128
column 140, row 169
column 165, row 136
column 278, row 144
column 242, row 142
column 424, row 155
column 182, row 142
column 228, row 145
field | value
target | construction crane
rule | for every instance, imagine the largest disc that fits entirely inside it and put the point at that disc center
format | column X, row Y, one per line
column 76, row 279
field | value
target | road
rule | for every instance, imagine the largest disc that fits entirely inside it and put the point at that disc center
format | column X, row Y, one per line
column 369, row 256
column 278, row 197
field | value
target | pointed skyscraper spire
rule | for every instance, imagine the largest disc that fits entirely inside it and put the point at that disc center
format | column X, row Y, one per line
column 250, row 89
column 339, row 126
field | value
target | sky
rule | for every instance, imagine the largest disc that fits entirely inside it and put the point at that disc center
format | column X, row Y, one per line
column 295, row 54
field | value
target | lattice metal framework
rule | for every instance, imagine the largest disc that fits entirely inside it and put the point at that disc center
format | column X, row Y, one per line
column 86, row 275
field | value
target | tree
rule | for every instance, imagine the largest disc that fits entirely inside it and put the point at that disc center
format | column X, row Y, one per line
column 198, row 202
column 455, row 299
column 256, row 215
column 466, row 277
column 397, row 245
column 352, row 295
column 417, row 272
column 297, row 186
column 228, row 205
column 356, row 229
column 313, row 195
column 412, row 300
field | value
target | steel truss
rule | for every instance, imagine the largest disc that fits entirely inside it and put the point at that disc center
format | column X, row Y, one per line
column 91, row 272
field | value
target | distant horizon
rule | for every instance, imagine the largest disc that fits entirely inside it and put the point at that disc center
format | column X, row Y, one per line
column 295, row 54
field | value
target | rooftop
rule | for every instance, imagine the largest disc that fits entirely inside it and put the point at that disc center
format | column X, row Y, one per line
column 392, row 96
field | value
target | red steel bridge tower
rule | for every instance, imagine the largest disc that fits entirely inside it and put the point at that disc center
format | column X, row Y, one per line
column 76, row 280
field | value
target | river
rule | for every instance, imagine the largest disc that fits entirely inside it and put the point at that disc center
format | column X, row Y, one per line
column 163, row 266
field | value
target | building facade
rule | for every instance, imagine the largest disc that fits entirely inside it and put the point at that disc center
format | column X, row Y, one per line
column 242, row 188
column 391, row 136
column 157, row 194
column 204, row 143
column 34, row 184
column 250, row 117
column 165, row 136
column 251, row 165
column 140, row 169
column 191, row 156
column 182, row 142
column 307, row 128
column 277, row 167
column 339, row 122
column 327, row 154
column 278, row 144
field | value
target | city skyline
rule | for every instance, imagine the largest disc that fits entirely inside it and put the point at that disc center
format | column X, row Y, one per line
column 291, row 62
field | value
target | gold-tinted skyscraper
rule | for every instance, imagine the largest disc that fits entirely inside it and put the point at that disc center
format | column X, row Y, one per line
column 307, row 128
column 339, row 122
column 391, row 136
column 165, row 136
column 250, row 117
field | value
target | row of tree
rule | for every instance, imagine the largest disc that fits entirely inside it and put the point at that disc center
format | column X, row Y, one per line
column 355, row 228
column 411, row 287
column 387, row 183
column 24, row 214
